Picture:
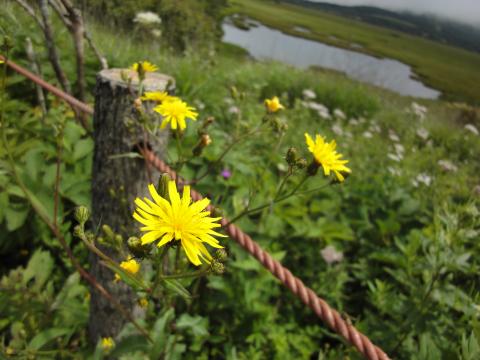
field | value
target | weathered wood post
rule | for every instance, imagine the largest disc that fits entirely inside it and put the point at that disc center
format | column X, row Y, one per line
column 117, row 181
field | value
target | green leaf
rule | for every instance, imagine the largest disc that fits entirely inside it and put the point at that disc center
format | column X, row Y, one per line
column 39, row 268
column 46, row 336
column 16, row 216
column 82, row 148
column 130, row 344
column 160, row 334
column 197, row 325
column 177, row 288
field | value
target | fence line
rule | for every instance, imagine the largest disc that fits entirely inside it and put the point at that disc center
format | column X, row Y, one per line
column 328, row 315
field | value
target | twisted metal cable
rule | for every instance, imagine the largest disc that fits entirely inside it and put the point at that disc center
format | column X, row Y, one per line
column 330, row 316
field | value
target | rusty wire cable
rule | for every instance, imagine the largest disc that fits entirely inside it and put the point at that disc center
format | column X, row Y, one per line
column 328, row 315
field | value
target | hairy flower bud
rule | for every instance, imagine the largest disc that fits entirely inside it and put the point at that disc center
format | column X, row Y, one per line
column 137, row 248
column 301, row 163
column 82, row 214
column 291, row 156
column 218, row 268
column 221, row 255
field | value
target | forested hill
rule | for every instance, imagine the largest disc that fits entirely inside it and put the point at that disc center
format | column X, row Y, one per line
column 431, row 27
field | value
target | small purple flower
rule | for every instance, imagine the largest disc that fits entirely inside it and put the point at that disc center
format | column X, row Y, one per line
column 226, row 174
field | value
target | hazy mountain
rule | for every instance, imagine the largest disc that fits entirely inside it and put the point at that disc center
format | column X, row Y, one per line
column 428, row 26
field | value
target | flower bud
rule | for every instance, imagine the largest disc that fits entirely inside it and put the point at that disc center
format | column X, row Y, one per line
column 82, row 214
column 109, row 234
column 221, row 255
column 301, row 163
column 163, row 185
column 218, row 268
column 137, row 103
column 291, row 156
column 204, row 141
column 78, row 231
column 137, row 248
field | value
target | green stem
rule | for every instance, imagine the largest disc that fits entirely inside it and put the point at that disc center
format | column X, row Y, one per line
column 275, row 200
column 197, row 273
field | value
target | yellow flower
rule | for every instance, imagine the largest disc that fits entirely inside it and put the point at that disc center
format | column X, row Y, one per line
column 143, row 302
column 325, row 155
column 1, row 61
column 130, row 266
column 179, row 219
column 107, row 344
column 273, row 105
column 175, row 112
column 158, row 96
column 146, row 66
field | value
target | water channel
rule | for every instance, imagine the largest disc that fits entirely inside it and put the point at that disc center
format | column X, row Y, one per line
column 264, row 43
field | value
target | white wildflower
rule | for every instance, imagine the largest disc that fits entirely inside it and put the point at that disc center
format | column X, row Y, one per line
column 337, row 129
column 147, row 18
column 394, row 171
column 367, row 135
column 423, row 133
column 471, row 128
column 422, row 179
column 309, row 94
column 234, row 110
column 331, row 255
column 395, row 157
column 393, row 136
column 419, row 110
column 399, row 149
column 447, row 165
column 339, row 114
column 353, row 122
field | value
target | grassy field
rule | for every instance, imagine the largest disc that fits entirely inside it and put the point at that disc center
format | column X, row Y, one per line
column 451, row 70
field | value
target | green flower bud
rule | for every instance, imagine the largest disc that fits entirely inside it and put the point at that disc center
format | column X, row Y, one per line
column 78, row 231
column 137, row 248
column 109, row 234
column 301, row 163
column 82, row 214
column 291, row 156
column 163, row 185
column 221, row 255
column 218, row 268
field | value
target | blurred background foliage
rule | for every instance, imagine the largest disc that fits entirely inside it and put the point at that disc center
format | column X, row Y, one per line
column 407, row 228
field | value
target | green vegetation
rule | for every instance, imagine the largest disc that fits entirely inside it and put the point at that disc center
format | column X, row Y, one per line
column 403, row 229
column 451, row 70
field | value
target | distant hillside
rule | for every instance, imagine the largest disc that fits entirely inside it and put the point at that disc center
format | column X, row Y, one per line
column 431, row 27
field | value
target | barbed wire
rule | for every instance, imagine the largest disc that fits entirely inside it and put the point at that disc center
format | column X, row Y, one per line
column 329, row 316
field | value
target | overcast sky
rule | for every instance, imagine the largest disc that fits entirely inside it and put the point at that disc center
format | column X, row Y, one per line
column 461, row 10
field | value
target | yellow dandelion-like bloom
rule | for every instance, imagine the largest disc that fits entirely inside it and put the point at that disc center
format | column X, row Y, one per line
column 1, row 61
column 158, row 96
column 130, row 266
column 107, row 344
column 143, row 302
column 325, row 155
column 273, row 105
column 179, row 219
column 175, row 112
column 146, row 66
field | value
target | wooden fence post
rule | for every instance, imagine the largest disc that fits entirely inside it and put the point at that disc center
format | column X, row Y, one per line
column 117, row 181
